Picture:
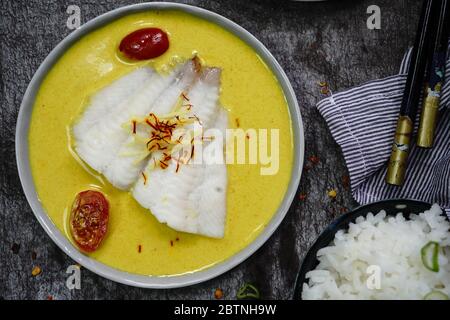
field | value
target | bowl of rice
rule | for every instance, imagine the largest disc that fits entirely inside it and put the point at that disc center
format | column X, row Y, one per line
column 387, row 250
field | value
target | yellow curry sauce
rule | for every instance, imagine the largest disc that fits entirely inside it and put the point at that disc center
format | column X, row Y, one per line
column 249, row 91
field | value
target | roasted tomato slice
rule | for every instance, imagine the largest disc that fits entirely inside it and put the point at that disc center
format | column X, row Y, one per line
column 143, row 44
column 89, row 219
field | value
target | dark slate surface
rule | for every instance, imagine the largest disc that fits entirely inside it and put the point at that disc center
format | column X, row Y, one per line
column 313, row 42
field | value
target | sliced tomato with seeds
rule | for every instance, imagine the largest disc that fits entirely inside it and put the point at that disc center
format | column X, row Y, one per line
column 89, row 219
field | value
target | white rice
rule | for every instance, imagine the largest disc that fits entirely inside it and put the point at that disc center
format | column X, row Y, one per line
column 386, row 246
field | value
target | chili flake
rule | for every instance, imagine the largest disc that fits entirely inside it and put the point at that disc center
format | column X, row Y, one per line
column 185, row 97
column 139, row 248
column 332, row 193
column 314, row 160
column 144, row 176
column 36, row 271
column 218, row 294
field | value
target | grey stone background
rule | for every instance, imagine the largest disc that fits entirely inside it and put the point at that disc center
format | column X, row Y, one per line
column 325, row 41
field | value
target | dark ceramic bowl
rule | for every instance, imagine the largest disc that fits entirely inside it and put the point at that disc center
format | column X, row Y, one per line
column 392, row 207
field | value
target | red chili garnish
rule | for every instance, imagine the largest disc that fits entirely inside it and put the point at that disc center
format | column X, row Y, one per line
column 134, row 126
column 185, row 97
column 143, row 44
column 177, row 239
column 161, row 135
column 171, row 243
column 89, row 219
column 145, row 177
column 163, row 165
column 314, row 159
column 196, row 118
column 139, row 248
column 151, row 124
column 192, row 151
column 302, row 196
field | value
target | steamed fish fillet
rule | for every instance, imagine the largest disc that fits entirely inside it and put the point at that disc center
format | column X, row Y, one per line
column 204, row 97
column 99, row 145
column 189, row 197
column 129, row 162
column 194, row 198
column 109, row 98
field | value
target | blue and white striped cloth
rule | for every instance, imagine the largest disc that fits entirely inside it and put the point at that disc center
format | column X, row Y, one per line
column 362, row 120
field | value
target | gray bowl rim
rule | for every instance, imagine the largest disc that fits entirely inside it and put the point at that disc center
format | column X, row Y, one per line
column 156, row 282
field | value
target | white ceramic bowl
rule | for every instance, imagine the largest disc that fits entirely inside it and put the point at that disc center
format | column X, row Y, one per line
column 23, row 163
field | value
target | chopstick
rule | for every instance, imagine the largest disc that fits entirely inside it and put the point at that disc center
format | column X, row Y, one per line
column 400, row 149
column 435, row 80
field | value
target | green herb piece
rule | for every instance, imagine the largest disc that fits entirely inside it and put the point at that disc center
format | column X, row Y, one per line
column 436, row 295
column 248, row 291
column 430, row 256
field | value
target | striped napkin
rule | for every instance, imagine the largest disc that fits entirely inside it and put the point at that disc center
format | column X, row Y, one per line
column 362, row 120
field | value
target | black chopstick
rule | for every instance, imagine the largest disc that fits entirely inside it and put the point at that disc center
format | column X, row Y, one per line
column 400, row 149
column 435, row 79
